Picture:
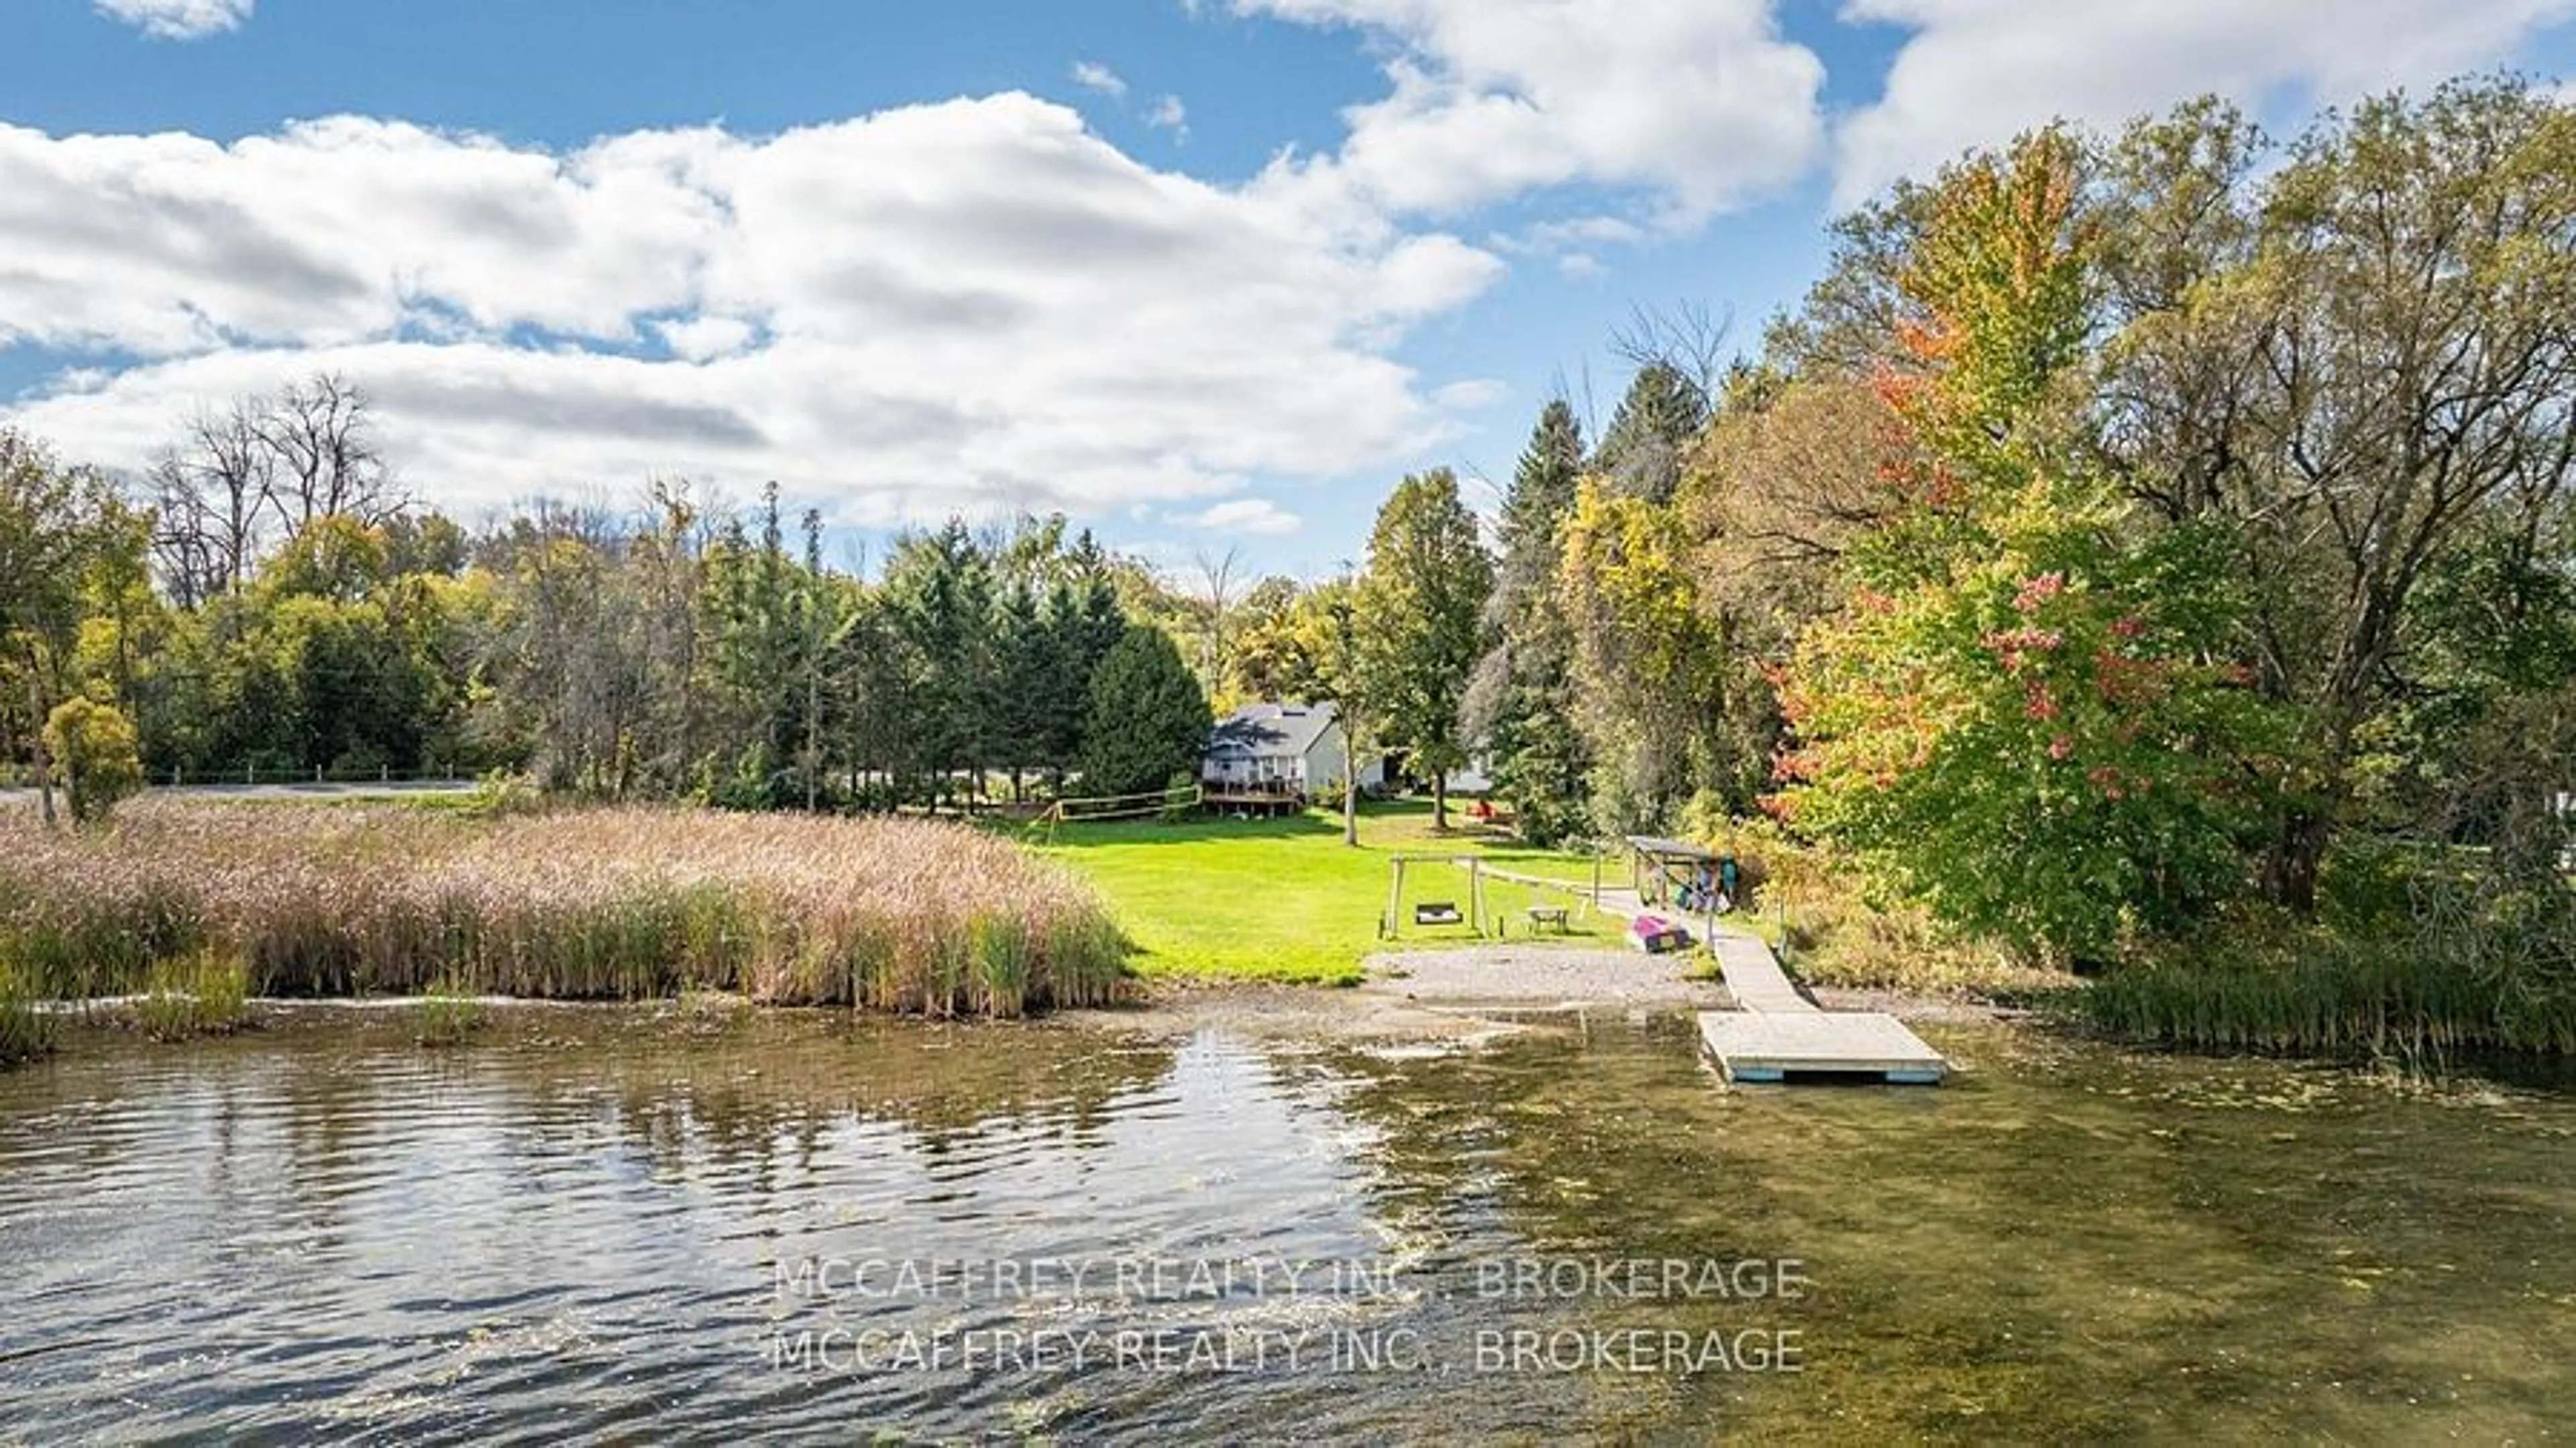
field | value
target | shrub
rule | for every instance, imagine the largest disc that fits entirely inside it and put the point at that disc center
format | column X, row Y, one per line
column 500, row 792
column 95, row 746
column 1843, row 933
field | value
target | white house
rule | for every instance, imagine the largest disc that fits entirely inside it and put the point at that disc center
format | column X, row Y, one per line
column 1288, row 749
column 1476, row 778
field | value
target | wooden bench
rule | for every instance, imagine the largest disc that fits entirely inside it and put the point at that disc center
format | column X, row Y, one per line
column 1549, row 915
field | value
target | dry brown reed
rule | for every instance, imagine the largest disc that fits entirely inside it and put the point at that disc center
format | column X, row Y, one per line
column 897, row 915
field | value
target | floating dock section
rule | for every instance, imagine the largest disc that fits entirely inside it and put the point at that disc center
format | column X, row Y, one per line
column 1778, row 1035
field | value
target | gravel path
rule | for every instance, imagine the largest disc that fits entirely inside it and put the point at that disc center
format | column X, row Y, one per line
column 1458, row 996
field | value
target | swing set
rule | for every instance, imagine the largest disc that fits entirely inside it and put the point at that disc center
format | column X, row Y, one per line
column 1390, row 922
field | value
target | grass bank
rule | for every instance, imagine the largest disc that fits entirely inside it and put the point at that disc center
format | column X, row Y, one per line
column 897, row 915
column 1285, row 900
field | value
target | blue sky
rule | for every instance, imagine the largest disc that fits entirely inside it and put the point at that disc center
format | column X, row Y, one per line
column 1198, row 273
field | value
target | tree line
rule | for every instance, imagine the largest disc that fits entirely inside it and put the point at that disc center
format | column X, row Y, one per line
column 2130, row 537
column 260, row 619
column 2126, row 532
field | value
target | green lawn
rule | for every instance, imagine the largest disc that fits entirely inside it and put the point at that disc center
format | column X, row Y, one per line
column 1286, row 900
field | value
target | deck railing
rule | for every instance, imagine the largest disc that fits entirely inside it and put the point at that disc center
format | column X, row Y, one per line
column 1256, row 788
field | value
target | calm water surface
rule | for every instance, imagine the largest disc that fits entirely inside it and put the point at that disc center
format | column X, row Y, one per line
column 603, row 1224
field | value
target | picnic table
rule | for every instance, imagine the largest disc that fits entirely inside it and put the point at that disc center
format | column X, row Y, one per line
column 1549, row 915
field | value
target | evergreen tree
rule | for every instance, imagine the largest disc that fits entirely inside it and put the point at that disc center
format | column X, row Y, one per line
column 1024, row 678
column 1083, row 623
column 1146, row 719
column 1650, row 436
column 1520, row 707
column 751, row 655
column 941, row 588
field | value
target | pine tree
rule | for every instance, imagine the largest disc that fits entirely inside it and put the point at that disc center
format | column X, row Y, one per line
column 1146, row 719
column 1650, row 435
column 1520, row 707
column 941, row 587
column 1025, row 668
column 1082, row 624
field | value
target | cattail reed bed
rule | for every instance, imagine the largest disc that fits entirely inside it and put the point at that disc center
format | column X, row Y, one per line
column 2391, row 1004
column 622, row 904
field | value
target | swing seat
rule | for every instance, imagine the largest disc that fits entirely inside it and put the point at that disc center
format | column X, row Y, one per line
column 1437, row 912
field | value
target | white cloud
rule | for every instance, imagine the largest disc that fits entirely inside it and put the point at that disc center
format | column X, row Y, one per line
column 701, row 339
column 974, row 305
column 1169, row 114
column 1092, row 75
column 1258, row 516
column 1976, row 72
column 1699, row 103
column 1471, row 394
column 178, row 19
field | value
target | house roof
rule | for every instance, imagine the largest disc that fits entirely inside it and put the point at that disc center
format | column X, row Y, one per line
column 1270, row 729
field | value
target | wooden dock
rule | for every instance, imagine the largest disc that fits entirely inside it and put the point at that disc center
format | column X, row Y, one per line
column 1774, row 1033
column 1763, row 1046
column 1754, row 977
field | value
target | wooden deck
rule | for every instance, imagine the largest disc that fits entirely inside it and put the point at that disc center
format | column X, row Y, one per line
column 1218, row 793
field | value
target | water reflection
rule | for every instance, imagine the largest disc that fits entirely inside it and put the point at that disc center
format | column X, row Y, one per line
column 597, row 1221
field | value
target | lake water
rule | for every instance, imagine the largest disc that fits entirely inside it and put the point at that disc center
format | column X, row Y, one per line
column 602, row 1224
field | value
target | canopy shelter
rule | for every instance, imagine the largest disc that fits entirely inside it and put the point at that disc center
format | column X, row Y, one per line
column 1661, row 869
column 1434, row 912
